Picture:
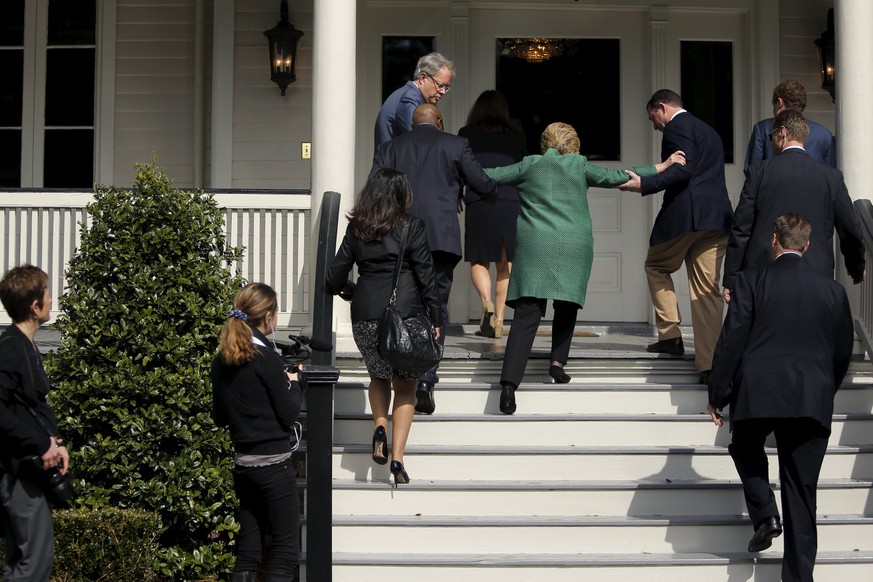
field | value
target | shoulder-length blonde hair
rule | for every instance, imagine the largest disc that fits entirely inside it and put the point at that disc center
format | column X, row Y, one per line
column 560, row 136
column 250, row 306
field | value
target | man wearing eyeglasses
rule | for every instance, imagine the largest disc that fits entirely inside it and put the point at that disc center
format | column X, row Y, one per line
column 793, row 181
column 433, row 79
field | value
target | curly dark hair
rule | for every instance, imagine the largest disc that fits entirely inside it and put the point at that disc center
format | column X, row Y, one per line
column 385, row 199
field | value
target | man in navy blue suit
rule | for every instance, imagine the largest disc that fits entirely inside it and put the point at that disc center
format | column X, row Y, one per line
column 793, row 181
column 783, row 352
column 433, row 79
column 438, row 165
column 691, row 228
column 819, row 145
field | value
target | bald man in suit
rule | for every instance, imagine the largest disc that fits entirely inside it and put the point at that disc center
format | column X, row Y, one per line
column 438, row 165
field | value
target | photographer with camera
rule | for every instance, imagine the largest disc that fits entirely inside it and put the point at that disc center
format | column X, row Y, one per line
column 33, row 458
column 259, row 401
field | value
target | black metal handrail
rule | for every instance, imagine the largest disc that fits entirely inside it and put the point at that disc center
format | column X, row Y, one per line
column 322, row 377
column 864, row 320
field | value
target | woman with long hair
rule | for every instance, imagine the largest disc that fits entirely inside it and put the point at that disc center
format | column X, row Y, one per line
column 489, row 234
column 372, row 242
column 259, row 401
column 555, row 247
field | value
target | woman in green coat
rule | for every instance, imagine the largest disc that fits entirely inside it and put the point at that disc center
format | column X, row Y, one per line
column 554, row 247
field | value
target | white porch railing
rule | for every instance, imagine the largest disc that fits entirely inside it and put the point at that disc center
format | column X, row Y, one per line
column 42, row 228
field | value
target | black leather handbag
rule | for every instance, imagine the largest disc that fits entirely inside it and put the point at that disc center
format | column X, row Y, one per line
column 407, row 344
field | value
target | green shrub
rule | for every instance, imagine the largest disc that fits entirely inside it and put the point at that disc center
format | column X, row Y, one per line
column 148, row 291
column 104, row 545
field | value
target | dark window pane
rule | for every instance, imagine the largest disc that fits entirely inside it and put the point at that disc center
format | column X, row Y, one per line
column 69, row 158
column 400, row 54
column 72, row 22
column 69, row 87
column 11, row 80
column 10, row 161
column 12, row 23
column 547, row 80
column 707, row 69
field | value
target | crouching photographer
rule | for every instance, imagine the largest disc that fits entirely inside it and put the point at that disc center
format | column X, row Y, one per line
column 33, row 458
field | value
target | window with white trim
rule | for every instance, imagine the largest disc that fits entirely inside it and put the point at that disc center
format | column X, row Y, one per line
column 48, row 55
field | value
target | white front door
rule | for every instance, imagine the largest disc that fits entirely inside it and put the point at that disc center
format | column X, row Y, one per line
column 650, row 58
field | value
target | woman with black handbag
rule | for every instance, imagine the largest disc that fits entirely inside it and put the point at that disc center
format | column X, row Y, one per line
column 374, row 241
column 30, row 449
column 259, row 401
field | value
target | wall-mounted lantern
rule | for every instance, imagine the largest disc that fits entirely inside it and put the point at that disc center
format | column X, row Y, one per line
column 283, row 39
column 826, row 56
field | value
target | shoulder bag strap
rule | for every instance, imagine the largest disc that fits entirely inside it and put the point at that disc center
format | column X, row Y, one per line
column 399, row 264
column 17, row 396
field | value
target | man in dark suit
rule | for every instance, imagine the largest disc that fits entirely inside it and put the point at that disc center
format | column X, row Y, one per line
column 783, row 352
column 793, row 182
column 820, row 145
column 691, row 228
column 432, row 79
column 437, row 165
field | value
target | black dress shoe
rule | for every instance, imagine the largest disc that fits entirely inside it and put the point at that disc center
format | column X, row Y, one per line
column 558, row 375
column 669, row 346
column 765, row 531
column 704, row 377
column 507, row 398
column 424, row 401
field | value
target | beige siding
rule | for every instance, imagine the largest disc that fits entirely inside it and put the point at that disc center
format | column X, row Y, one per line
column 800, row 23
column 268, row 128
column 154, row 87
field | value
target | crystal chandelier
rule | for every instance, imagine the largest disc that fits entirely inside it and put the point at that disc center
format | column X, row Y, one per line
column 534, row 50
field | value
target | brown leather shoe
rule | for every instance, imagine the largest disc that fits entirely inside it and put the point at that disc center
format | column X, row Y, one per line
column 668, row 346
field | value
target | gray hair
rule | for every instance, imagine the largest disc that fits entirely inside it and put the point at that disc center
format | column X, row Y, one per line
column 432, row 63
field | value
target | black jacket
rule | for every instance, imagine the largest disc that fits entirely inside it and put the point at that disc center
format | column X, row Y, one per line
column 785, row 346
column 794, row 182
column 256, row 401
column 22, row 374
column 376, row 261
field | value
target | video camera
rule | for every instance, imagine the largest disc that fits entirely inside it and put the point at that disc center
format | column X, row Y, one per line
column 299, row 351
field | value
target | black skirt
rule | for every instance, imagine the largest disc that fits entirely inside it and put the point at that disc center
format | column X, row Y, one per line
column 489, row 227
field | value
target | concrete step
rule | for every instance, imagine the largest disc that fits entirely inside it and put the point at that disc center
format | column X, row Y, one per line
column 456, row 534
column 550, row 497
column 456, row 397
column 842, row 566
column 648, row 463
column 680, row 430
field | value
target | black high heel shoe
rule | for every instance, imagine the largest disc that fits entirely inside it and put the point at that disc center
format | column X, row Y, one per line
column 400, row 475
column 557, row 373
column 380, row 446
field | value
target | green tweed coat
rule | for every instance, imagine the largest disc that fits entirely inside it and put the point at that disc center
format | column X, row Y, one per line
column 555, row 245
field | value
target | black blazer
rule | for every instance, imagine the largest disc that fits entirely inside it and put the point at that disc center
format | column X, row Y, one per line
column 696, row 197
column 437, row 165
column 376, row 261
column 22, row 374
column 785, row 345
column 794, row 182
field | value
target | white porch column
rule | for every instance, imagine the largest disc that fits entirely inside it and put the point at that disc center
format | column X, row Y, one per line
column 853, row 21
column 333, row 123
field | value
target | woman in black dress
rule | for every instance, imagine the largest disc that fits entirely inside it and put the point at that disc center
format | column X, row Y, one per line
column 490, row 226
column 372, row 242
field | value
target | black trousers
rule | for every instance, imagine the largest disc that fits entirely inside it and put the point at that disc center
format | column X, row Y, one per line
column 27, row 521
column 268, row 505
column 801, row 445
column 444, row 271
column 528, row 312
